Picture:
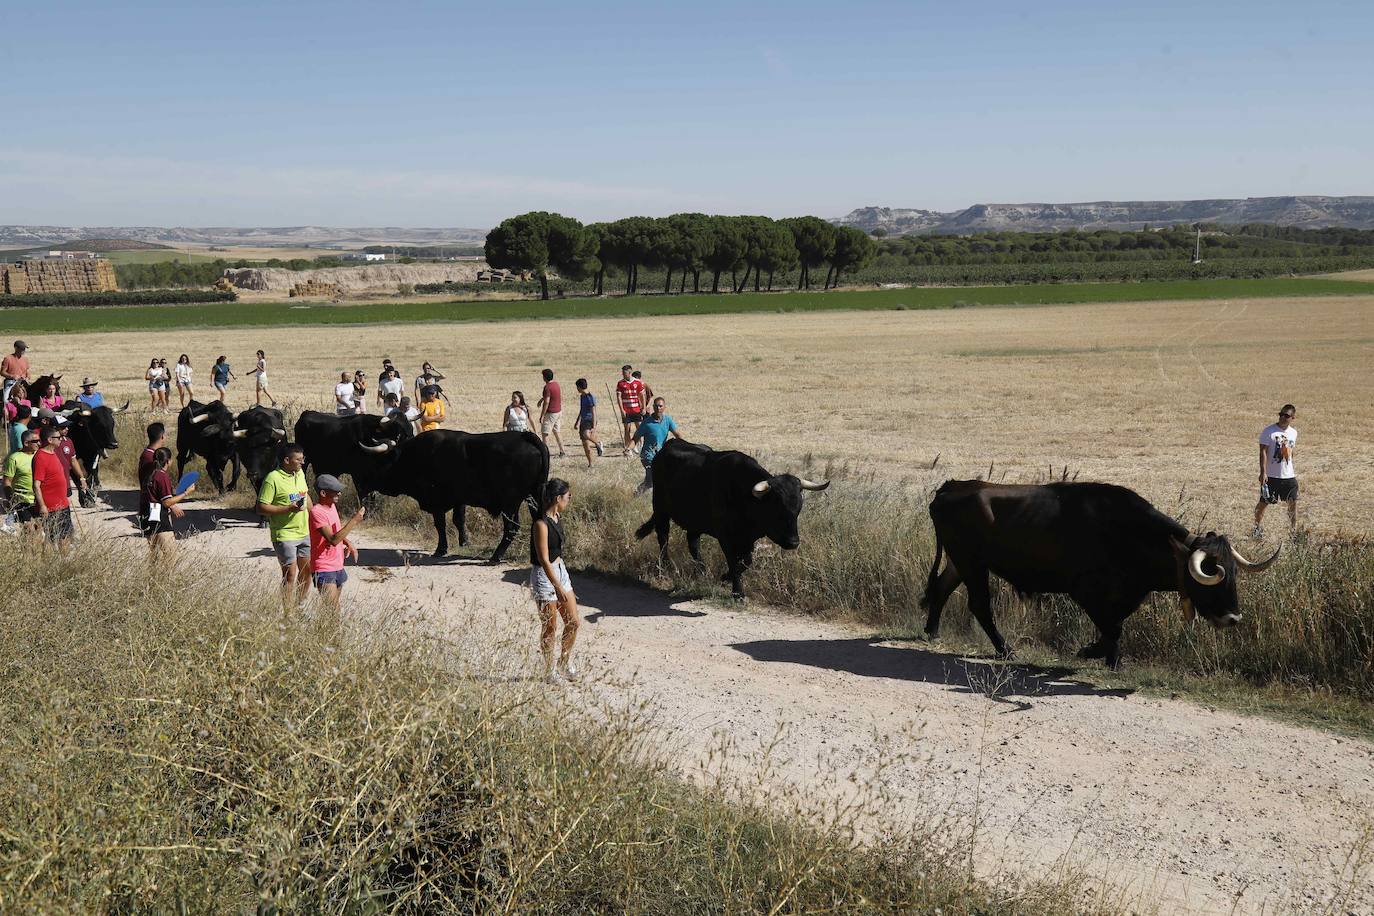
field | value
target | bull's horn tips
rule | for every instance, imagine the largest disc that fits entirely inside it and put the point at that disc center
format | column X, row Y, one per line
column 1195, row 569
column 1251, row 566
column 200, row 418
column 240, row 433
column 761, row 488
column 812, row 485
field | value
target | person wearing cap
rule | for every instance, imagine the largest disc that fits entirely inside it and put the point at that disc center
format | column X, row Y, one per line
column 15, row 368
column 431, row 408
column 89, row 396
column 329, row 543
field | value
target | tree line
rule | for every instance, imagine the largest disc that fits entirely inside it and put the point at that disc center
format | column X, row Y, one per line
column 1072, row 246
column 684, row 245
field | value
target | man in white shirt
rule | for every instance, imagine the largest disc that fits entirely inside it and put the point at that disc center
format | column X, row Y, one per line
column 1278, row 480
column 343, row 396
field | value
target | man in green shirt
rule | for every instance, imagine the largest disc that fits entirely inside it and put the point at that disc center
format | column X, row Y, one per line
column 19, row 477
column 285, row 500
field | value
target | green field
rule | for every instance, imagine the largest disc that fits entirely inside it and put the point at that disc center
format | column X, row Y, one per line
column 259, row 314
column 158, row 255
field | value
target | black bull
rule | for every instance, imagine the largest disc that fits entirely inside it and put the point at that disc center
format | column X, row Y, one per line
column 259, row 436
column 92, row 434
column 355, row 445
column 727, row 495
column 445, row 470
column 207, row 431
column 1102, row 545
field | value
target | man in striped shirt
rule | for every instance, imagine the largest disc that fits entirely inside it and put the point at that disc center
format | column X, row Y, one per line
column 630, row 392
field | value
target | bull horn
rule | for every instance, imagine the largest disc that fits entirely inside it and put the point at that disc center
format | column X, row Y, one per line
column 199, row 418
column 122, row 409
column 378, row 448
column 384, row 421
column 240, row 433
column 760, row 488
column 85, row 413
column 278, row 432
column 812, row 485
column 1195, row 567
column 1261, row 566
column 65, row 413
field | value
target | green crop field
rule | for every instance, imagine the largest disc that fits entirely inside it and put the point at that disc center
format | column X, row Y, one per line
column 158, row 255
column 259, row 314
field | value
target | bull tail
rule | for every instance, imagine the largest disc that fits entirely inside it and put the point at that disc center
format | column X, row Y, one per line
column 934, row 572
column 643, row 530
column 537, row 492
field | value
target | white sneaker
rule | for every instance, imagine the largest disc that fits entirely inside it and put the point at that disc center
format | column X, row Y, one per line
column 1257, row 533
column 600, row 452
column 566, row 669
column 552, row 677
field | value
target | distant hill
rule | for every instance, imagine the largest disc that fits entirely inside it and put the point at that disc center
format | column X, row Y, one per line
column 108, row 245
column 1304, row 212
column 260, row 237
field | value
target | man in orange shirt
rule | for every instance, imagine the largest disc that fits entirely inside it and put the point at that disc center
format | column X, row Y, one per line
column 15, row 368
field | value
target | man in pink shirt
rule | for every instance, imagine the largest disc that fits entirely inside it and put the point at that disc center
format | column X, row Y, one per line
column 329, row 543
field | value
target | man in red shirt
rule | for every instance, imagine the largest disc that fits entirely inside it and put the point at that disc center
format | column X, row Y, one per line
column 50, row 491
column 630, row 392
column 551, row 411
column 76, row 472
column 15, row 368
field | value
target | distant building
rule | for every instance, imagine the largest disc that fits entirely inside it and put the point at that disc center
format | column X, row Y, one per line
column 364, row 256
column 73, row 255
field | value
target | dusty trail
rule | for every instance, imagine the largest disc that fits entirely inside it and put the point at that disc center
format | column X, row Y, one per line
column 1207, row 811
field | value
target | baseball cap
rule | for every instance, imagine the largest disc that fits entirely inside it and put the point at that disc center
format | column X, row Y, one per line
column 20, row 345
column 328, row 482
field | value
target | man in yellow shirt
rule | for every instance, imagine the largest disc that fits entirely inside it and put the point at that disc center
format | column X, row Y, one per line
column 431, row 409
column 285, row 500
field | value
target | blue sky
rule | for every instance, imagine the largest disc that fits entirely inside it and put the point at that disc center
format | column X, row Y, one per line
column 456, row 114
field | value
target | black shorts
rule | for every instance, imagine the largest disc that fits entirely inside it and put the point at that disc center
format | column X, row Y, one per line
column 1283, row 489
column 158, row 527
column 57, row 525
column 633, row 417
column 586, row 424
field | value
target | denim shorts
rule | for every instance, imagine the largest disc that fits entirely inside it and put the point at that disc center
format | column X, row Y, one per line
column 542, row 587
column 288, row 552
column 333, row 577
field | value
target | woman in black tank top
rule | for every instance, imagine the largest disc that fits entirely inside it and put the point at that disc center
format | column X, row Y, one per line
column 553, row 593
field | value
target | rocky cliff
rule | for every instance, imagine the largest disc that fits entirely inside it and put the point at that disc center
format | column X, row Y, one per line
column 1305, row 212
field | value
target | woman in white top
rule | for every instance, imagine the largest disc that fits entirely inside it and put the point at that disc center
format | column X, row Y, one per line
column 343, row 396
column 260, row 376
column 517, row 416
column 155, row 379
column 183, row 377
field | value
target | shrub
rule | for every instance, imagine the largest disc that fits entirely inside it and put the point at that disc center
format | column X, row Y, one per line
column 172, row 742
column 118, row 297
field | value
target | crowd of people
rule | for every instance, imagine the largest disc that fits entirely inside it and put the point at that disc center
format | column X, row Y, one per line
column 310, row 541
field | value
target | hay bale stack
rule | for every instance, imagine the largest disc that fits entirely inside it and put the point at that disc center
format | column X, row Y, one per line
column 316, row 288
column 86, row 276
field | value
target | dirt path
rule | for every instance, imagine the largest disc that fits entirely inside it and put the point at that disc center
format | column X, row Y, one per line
column 1205, row 810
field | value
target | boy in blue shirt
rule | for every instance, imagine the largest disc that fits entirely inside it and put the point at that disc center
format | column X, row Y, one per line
column 585, row 424
column 652, row 433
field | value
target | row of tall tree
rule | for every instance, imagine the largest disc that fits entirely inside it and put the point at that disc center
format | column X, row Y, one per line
column 684, row 245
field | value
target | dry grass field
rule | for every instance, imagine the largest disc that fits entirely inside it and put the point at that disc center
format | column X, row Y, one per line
column 1167, row 398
